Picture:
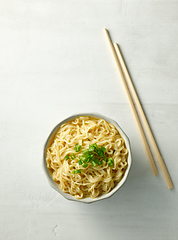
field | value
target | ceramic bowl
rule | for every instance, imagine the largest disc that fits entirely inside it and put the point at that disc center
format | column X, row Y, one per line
column 103, row 196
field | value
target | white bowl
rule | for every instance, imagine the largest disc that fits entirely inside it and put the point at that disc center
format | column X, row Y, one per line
column 103, row 196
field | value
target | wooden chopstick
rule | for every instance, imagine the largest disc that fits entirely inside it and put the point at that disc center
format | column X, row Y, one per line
column 147, row 127
column 144, row 140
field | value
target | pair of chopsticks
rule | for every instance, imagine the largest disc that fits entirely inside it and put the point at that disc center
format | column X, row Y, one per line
column 125, row 75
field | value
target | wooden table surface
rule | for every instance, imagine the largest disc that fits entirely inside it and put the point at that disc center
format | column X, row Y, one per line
column 55, row 61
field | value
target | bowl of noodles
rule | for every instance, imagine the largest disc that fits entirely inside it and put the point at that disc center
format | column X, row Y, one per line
column 87, row 157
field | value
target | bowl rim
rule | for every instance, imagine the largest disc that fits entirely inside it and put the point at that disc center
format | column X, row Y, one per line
column 103, row 196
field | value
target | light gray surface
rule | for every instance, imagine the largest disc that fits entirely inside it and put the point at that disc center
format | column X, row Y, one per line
column 54, row 62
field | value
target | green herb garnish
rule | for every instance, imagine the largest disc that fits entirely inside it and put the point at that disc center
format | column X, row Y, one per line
column 80, row 162
column 105, row 158
column 85, row 165
column 77, row 147
column 99, row 163
column 76, row 171
column 94, row 163
column 91, row 148
column 103, row 149
column 72, row 155
column 93, row 155
column 110, row 162
column 66, row 157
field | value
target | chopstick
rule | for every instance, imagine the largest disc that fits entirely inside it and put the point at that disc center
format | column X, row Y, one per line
column 142, row 134
column 147, row 127
column 118, row 56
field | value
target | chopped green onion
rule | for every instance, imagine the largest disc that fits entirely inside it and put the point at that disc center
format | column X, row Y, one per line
column 94, row 155
column 95, row 145
column 91, row 148
column 77, row 147
column 72, row 155
column 93, row 163
column 66, row 157
column 85, row 151
column 78, row 170
column 96, row 160
column 84, row 165
column 91, row 157
column 99, row 163
column 105, row 158
column 110, row 162
column 82, row 158
column 87, row 160
column 80, row 162
column 100, row 153
column 103, row 149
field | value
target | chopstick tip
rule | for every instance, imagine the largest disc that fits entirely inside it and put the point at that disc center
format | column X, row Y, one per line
column 116, row 44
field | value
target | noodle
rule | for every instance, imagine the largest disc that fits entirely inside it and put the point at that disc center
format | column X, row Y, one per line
column 92, row 181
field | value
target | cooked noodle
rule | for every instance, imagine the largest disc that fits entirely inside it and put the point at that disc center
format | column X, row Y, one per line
column 92, row 181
